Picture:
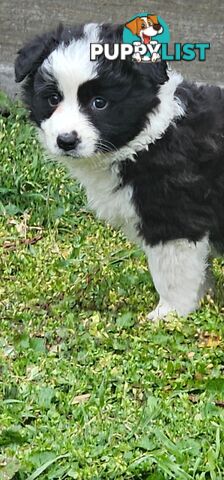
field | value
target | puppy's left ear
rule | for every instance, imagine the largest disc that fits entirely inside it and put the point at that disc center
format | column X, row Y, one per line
column 133, row 26
column 33, row 53
column 155, row 72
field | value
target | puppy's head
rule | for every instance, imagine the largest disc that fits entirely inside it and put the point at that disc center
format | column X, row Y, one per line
column 83, row 106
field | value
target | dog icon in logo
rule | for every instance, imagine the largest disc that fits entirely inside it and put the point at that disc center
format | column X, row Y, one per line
column 146, row 27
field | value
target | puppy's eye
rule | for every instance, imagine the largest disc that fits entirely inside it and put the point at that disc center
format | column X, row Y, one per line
column 99, row 103
column 54, row 100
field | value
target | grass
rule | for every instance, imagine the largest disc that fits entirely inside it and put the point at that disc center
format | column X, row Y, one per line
column 89, row 388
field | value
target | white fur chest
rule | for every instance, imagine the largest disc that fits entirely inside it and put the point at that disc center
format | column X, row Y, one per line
column 110, row 202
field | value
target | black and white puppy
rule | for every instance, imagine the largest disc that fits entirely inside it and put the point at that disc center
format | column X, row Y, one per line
column 147, row 146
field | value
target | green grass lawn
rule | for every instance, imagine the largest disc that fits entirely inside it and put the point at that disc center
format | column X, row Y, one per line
column 89, row 389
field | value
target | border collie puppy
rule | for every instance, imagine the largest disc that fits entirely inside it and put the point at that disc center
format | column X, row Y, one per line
column 147, row 146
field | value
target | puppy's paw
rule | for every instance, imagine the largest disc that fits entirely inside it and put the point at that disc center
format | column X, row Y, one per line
column 160, row 312
column 155, row 56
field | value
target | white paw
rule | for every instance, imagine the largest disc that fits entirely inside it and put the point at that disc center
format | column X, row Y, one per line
column 161, row 311
column 137, row 57
column 155, row 56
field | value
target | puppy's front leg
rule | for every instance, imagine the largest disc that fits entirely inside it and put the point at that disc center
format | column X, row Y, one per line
column 178, row 269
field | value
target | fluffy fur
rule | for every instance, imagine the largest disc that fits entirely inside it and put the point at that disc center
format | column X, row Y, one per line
column 151, row 159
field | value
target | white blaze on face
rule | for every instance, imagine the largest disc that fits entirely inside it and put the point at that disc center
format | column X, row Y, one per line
column 71, row 67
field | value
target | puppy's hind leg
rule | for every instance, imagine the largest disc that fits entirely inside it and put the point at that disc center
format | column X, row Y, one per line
column 178, row 269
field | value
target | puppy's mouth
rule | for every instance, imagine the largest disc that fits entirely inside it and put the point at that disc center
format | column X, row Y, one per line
column 78, row 155
column 71, row 153
column 146, row 38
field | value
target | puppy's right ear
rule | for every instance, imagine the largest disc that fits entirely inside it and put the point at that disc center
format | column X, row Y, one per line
column 29, row 58
column 33, row 53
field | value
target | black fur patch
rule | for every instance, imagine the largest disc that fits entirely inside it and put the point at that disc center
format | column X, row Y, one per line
column 130, row 98
column 178, row 184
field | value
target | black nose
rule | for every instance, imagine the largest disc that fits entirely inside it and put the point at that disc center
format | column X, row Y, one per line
column 68, row 141
column 156, row 26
